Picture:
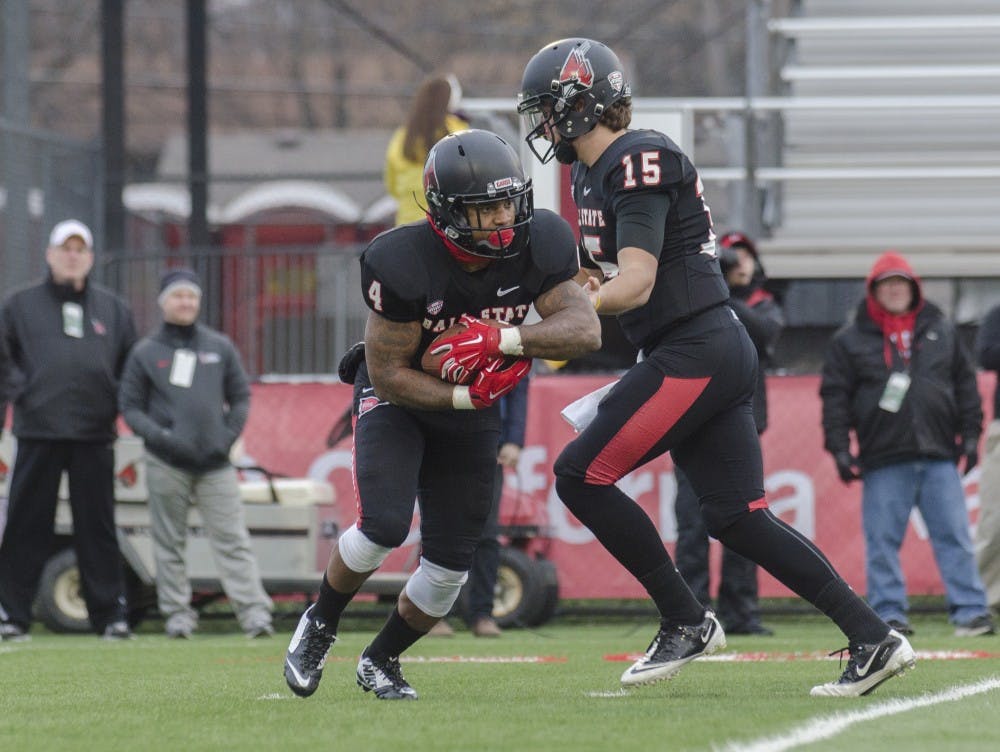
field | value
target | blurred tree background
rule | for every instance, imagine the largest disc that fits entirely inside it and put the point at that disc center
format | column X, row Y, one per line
column 310, row 64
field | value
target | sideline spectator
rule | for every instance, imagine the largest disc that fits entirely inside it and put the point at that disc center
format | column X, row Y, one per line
column 185, row 393
column 647, row 242
column 760, row 313
column 483, row 574
column 68, row 338
column 987, row 540
column 900, row 379
column 429, row 119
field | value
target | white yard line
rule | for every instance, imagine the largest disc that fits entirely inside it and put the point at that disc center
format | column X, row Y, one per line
column 828, row 726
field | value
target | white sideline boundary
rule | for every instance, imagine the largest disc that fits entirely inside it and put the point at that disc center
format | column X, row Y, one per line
column 828, row 726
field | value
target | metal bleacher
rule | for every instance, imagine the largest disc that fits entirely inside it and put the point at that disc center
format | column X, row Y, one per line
column 891, row 137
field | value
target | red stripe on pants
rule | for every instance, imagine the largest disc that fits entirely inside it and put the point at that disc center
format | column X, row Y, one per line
column 646, row 427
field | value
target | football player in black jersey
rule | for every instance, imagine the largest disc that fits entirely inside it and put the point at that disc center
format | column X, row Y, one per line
column 646, row 234
column 482, row 253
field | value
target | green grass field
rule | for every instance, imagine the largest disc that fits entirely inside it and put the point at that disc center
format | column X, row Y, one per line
column 220, row 691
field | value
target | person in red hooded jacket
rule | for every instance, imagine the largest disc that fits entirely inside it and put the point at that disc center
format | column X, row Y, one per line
column 899, row 377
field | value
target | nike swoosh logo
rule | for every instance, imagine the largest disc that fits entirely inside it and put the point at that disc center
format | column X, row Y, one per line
column 304, row 683
column 586, row 190
column 367, row 389
column 501, row 292
column 863, row 670
column 706, row 633
column 633, row 671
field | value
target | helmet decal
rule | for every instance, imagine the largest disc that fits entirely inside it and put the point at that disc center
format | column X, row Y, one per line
column 616, row 80
column 502, row 184
column 577, row 73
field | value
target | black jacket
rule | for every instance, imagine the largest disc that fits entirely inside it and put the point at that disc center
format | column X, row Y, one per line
column 941, row 406
column 64, row 387
column 988, row 349
column 761, row 315
column 193, row 427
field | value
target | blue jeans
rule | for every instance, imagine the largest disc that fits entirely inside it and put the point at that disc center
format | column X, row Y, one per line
column 889, row 495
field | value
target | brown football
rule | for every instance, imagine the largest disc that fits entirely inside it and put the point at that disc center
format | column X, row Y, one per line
column 432, row 363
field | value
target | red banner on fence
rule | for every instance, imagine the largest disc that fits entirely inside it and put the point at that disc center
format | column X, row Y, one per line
column 289, row 424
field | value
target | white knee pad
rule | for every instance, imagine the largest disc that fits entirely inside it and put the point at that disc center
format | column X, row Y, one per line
column 358, row 551
column 434, row 589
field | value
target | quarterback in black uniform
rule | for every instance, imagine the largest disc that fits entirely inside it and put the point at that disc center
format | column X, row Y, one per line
column 482, row 253
column 646, row 233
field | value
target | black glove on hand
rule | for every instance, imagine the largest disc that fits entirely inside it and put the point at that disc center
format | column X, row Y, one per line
column 351, row 362
column 846, row 465
column 970, row 451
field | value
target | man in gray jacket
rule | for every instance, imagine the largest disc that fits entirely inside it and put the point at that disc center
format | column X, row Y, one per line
column 184, row 391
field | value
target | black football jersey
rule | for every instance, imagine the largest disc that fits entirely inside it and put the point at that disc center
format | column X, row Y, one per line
column 688, row 278
column 407, row 274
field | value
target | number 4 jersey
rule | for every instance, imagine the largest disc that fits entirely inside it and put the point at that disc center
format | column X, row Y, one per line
column 407, row 274
column 644, row 192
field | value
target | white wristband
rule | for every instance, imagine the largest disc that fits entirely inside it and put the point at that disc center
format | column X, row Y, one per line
column 460, row 398
column 510, row 341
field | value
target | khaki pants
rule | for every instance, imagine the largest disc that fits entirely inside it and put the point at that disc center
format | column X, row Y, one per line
column 987, row 538
column 217, row 496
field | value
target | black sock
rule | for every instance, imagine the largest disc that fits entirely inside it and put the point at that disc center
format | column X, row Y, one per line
column 799, row 565
column 618, row 522
column 395, row 637
column 672, row 596
column 625, row 530
column 849, row 612
column 331, row 604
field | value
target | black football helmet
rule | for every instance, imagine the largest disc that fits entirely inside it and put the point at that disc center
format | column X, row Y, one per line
column 566, row 87
column 466, row 170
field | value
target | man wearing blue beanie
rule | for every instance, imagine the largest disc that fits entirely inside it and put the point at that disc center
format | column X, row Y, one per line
column 184, row 391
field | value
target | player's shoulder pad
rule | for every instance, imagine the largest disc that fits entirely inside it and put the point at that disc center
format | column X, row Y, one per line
column 394, row 257
column 645, row 172
column 553, row 246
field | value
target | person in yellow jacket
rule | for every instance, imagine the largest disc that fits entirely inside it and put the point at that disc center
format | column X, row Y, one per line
column 429, row 119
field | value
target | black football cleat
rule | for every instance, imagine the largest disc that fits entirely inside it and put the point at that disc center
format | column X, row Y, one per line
column 869, row 666
column 384, row 678
column 307, row 654
column 673, row 647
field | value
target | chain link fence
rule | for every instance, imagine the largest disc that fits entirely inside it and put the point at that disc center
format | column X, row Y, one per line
column 46, row 178
column 289, row 310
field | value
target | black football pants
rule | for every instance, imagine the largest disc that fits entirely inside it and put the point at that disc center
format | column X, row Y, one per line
column 445, row 460
column 29, row 536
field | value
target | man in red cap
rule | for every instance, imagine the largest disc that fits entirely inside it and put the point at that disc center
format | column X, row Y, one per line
column 899, row 377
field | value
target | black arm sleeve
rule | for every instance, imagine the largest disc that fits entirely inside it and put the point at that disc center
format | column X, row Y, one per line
column 641, row 219
column 836, row 388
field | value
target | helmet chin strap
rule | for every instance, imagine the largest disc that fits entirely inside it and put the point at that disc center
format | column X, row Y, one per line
column 564, row 151
column 460, row 254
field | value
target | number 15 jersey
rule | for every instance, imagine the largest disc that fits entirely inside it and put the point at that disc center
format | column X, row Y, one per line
column 644, row 192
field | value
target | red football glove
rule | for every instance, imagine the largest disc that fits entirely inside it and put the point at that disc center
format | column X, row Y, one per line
column 470, row 350
column 494, row 381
